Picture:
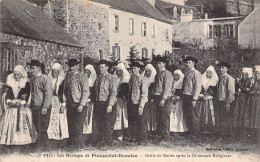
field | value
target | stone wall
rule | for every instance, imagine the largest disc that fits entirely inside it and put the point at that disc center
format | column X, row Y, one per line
column 46, row 52
column 88, row 24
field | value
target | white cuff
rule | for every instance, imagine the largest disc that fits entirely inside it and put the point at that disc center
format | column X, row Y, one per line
column 23, row 102
column 63, row 104
column 8, row 100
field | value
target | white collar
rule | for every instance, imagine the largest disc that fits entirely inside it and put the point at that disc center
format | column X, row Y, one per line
column 38, row 74
column 163, row 69
column 224, row 75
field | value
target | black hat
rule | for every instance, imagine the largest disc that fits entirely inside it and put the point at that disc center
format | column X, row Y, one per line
column 72, row 62
column 160, row 58
column 34, row 63
column 225, row 64
column 190, row 58
column 104, row 62
column 136, row 64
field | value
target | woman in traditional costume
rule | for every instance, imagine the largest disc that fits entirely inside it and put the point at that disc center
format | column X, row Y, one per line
column 242, row 93
column 252, row 110
column 149, row 75
column 122, row 94
column 88, row 124
column 208, row 114
column 177, row 120
column 58, row 125
column 16, row 127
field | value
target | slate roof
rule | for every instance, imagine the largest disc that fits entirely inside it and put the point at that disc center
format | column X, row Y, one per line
column 21, row 18
column 167, row 9
column 141, row 7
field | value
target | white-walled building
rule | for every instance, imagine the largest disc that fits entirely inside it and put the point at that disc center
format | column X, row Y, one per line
column 249, row 29
column 109, row 28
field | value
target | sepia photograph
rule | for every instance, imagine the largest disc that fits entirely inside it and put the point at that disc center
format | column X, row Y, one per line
column 130, row 80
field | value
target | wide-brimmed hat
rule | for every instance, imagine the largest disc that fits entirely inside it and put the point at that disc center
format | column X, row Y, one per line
column 190, row 58
column 108, row 63
column 160, row 58
column 225, row 64
column 34, row 63
column 136, row 64
column 72, row 62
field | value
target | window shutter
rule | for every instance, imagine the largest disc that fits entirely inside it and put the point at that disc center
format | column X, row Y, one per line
column 119, row 53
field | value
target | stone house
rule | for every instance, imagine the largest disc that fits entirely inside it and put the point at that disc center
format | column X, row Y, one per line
column 249, row 30
column 108, row 28
column 26, row 33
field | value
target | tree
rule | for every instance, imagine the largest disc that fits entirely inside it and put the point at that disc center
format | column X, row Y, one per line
column 134, row 55
column 214, row 8
column 238, row 7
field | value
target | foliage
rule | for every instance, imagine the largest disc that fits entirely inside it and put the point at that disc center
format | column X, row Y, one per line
column 238, row 58
column 134, row 55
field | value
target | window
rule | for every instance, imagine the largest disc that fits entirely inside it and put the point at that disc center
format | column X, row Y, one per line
column 11, row 55
column 101, row 54
column 228, row 30
column 116, row 51
column 154, row 31
column 217, row 31
column 167, row 34
column 210, row 31
column 99, row 26
column 116, row 23
column 144, row 29
column 144, row 53
column 131, row 26
column 153, row 51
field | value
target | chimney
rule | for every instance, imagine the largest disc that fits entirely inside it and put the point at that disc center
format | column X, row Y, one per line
column 175, row 12
column 186, row 17
column 201, row 9
column 206, row 16
column 152, row 2
column 191, row 14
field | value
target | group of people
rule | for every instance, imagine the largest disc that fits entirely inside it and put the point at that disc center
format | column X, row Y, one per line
column 68, row 108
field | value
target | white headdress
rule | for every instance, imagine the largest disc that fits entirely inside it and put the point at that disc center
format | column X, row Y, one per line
column 93, row 76
column 151, row 79
column 206, row 82
column 249, row 71
column 17, row 85
column 57, row 66
column 257, row 68
column 178, row 84
column 126, row 75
